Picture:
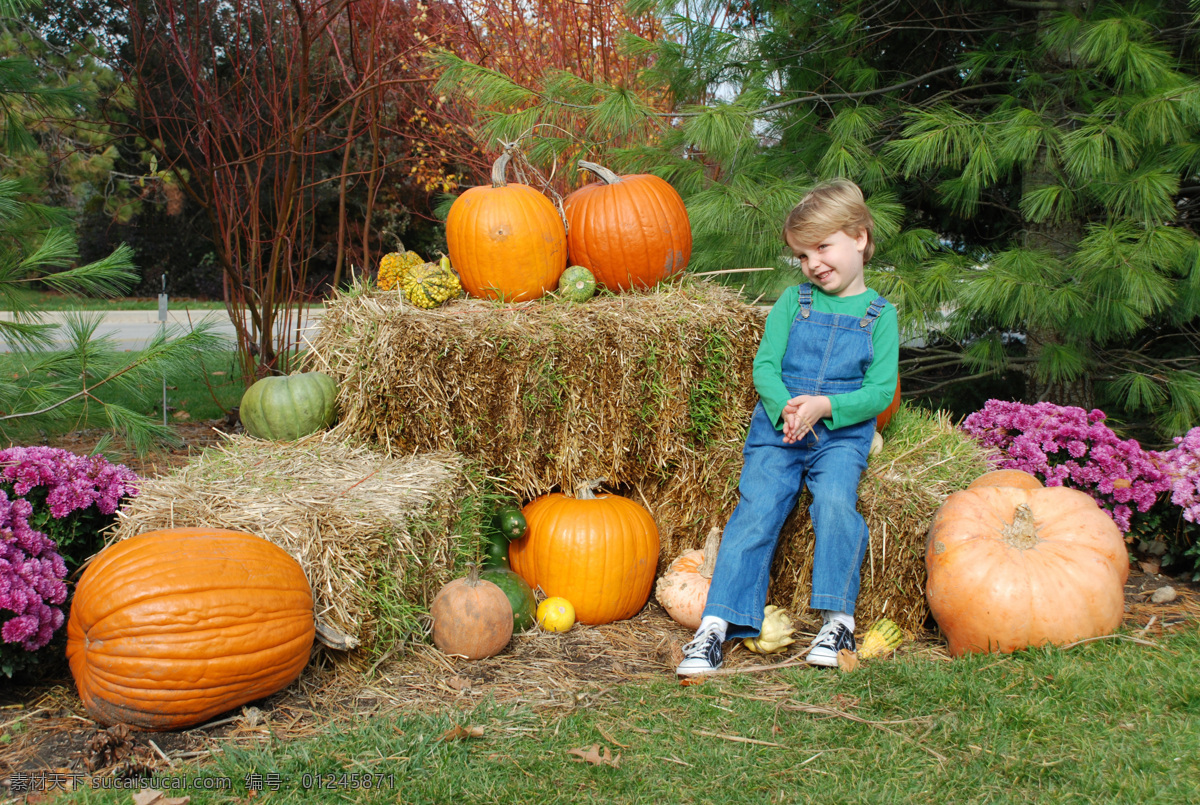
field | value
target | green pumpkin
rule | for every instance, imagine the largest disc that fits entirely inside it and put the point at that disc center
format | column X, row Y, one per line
column 577, row 284
column 495, row 551
column 519, row 593
column 287, row 407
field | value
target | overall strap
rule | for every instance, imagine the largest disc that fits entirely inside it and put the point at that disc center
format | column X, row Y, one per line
column 805, row 299
column 873, row 311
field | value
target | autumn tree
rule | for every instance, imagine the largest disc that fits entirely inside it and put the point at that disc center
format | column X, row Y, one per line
column 1032, row 164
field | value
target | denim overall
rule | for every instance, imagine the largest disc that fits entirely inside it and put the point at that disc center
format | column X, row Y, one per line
column 827, row 354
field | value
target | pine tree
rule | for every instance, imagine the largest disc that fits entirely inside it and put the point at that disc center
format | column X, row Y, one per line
column 1033, row 166
column 38, row 245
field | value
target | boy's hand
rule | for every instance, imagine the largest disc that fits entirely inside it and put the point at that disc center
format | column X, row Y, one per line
column 801, row 413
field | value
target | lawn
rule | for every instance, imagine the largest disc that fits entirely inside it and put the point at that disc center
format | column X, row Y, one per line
column 1110, row 721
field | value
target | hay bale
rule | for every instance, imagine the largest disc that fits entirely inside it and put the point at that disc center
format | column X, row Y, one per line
column 652, row 391
column 377, row 536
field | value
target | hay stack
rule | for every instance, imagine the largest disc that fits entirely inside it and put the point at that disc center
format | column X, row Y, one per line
column 652, row 391
column 376, row 536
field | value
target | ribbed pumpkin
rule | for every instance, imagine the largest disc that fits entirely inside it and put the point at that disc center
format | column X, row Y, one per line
column 597, row 551
column 885, row 416
column 683, row 589
column 629, row 231
column 1011, row 568
column 1017, row 478
column 506, row 241
column 286, row 407
column 171, row 628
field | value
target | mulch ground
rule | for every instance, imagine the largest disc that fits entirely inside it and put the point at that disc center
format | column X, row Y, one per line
column 45, row 730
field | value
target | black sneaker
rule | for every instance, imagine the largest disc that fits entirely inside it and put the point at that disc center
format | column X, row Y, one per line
column 833, row 637
column 702, row 655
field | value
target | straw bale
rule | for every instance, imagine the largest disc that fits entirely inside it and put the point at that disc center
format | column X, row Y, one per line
column 377, row 536
column 651, row 391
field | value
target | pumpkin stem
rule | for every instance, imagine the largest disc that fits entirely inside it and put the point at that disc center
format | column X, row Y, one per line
column 500, row 166
column 472, row 579
column 587, row 489
column 711, row 545
column 1020, row 533
column 607, row 176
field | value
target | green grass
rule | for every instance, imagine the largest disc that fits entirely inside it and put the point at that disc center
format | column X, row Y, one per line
column 1106, row 722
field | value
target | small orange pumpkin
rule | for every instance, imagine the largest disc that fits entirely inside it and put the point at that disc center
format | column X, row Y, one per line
column 1017, row 478
column 173, row 627
column 683, row 589
column 506, row 241
column 629, row 231
column 885, row 416
column 472, row 617
column 1011, row 568
column 597, row 551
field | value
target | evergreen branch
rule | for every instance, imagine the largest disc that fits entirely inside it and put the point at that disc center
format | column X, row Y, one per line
column 839, row 96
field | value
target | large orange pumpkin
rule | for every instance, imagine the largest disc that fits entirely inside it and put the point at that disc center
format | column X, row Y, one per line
column 506, row 241
column 1017, row 478
column 629, row 231
column 173, row 627
column 885, row 416
column 1011, row 568
column 597, row 551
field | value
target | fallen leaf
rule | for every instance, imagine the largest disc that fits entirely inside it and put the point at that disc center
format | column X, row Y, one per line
column 1151, row 566
column 847, row 660
column 596, row 757
column 151, row 796
column 458, row 733
column 218, row 374
column 252, row 715
column 458, row 682
column 841, row 701
column 1164, row 595
column 183, row 416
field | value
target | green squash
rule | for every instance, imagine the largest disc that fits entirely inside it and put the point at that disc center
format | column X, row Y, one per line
column 577, row 284
column 510, row 521
column 287, row 407
column 495, row 551
column 519, row 593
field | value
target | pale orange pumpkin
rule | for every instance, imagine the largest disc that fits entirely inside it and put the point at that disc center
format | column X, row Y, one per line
column 629, row 231
column 1017, row 478
column 472, row 617
column 597, row 551
column 683, row 588
column 1011, row 568
column 507, row 241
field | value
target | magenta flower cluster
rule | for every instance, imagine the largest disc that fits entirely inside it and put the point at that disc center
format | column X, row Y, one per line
column 73, row 482
column 52, row 491
column 1183, row 467
column 1067, row 446
column 31, row 579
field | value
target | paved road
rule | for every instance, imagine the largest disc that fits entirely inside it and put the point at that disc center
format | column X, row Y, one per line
column 133, row 329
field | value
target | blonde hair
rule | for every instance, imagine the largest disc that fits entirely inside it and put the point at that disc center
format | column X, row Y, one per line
column 828, row 207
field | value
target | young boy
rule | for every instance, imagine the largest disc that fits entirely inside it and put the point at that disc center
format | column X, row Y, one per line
column 827, row 364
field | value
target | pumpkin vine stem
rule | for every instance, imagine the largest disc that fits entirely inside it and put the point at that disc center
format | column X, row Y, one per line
column 711, row 546
column 587, row 489
column 1020, row 533
column 607, row 176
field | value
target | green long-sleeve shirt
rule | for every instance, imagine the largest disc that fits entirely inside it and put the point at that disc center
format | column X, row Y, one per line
column 879, row 384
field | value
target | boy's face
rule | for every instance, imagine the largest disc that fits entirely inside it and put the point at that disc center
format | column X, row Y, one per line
column 835, row 263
